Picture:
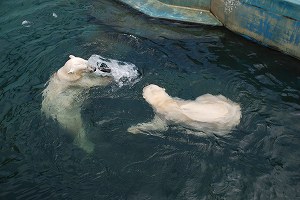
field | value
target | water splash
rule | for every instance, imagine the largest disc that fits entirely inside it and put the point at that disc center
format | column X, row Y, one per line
column 122, row 72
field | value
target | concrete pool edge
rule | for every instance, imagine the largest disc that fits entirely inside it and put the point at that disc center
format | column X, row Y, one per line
column 275, row 24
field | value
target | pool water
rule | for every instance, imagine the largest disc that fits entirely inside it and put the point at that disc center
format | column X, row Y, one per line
column 38, row 159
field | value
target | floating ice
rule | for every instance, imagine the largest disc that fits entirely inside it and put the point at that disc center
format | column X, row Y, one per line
column 26, row 23
column 54, row 15
column 122, row 72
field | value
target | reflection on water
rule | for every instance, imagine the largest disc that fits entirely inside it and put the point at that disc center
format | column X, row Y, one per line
column 259, row 160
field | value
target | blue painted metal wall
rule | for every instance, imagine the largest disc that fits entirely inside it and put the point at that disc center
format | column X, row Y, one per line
column 275, row 23
column 158, row 9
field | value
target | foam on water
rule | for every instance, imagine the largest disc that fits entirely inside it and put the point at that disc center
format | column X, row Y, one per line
column 122, row 72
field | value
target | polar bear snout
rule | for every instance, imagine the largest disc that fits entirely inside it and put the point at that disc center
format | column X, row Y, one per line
column 91, row 68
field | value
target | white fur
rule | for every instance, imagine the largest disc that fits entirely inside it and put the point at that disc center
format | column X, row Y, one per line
column 207, row 113
column 63, row 97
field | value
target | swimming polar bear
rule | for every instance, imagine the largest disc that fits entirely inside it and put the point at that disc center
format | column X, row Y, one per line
column 63, row 96
column 207, row 113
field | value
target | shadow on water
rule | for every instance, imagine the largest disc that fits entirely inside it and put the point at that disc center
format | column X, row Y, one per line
column 38, row 160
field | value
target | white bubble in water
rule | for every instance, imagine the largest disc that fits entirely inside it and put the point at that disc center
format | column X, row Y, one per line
column 26, row 23
column 54, row 15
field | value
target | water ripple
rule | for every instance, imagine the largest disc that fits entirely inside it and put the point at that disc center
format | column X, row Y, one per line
column 258, row 160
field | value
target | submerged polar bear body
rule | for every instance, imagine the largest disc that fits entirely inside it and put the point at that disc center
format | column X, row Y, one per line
column 207, row 113
column 63, row 97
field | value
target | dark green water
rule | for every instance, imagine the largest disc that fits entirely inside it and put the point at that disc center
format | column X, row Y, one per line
column 38, row 160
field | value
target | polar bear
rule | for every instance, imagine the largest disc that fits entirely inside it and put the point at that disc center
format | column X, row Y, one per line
column 63, row 96
column 207, row 113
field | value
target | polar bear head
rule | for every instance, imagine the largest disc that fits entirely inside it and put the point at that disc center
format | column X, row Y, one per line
column 74, row 69
column 155, row 95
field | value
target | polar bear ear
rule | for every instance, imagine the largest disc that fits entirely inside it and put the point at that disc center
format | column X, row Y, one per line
column 71, row 56
column 71, row 71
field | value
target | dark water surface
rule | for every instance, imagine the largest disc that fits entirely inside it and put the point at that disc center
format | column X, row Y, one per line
column 38, row 160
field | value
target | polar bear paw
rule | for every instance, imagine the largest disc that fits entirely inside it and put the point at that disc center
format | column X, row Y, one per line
column 85, row 144
column 157, row 124
column 134, row 130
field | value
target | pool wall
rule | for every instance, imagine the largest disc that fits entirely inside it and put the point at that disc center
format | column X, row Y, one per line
column 201, row 4
column 273, row 23
column 186, row 11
